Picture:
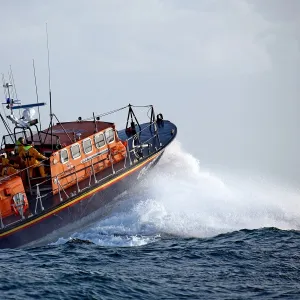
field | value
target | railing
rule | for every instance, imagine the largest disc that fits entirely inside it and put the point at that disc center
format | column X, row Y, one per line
column 11, row 138
column 145, row 143
column 73, row 186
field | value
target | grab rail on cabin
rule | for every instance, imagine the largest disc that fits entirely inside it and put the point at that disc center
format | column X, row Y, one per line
column 31, row 137
column 75, row 181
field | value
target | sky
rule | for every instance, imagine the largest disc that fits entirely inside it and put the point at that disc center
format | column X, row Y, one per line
column 226, row 72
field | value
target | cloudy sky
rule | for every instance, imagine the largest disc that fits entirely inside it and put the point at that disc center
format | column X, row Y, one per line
column 225, row 71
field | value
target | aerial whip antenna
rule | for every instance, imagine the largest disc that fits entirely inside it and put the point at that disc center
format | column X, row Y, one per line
column 51, row 115
column 36, row 92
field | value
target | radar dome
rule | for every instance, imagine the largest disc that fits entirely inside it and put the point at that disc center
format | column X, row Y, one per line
column 28, row 114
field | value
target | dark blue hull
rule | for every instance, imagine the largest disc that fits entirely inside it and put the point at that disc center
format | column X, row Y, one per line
column 76, row 212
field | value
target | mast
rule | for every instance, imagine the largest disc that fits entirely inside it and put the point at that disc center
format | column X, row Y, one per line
column 37, row 95
column 23, row 122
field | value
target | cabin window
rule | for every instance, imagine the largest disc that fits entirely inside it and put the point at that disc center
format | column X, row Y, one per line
column 75, row 150
column 109, row 135
column 99, row 140
column 87, row 146
column 64, row 156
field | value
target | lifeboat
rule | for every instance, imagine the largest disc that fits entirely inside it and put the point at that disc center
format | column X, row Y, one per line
column 58, row 179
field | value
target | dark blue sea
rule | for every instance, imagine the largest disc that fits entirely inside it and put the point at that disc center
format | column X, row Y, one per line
column 182, row 232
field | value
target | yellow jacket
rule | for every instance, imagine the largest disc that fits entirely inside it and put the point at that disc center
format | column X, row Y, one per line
column 30, row 155
column 5, row 161
column 8, row 171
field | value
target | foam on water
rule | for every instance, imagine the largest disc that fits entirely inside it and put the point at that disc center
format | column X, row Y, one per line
column 181, row 198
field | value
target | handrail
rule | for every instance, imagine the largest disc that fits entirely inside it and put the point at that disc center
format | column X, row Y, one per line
column 38, row 198
column 6, row 178
column 137, row 134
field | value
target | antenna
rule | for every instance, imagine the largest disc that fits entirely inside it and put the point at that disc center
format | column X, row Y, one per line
column 9, row 100
column 37, row 95
column 11, row 78
column 13, row 81
column 51, row 116
column 8, row 129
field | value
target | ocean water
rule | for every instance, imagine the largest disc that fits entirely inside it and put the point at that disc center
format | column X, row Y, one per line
column 181, row 233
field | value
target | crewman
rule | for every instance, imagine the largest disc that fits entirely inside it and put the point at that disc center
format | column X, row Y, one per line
column 16, row 160
column 9, row 170
column 19, row 144
column 31, row 156
column 4, row 160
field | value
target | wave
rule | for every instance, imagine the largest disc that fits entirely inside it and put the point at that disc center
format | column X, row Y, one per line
column 181, row 198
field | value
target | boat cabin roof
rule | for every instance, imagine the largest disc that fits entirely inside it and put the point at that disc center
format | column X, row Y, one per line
column 68, row 130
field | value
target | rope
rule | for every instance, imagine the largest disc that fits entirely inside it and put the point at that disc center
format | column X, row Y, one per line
column 141, row 106
column 116, row 110
column 105, row 114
